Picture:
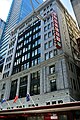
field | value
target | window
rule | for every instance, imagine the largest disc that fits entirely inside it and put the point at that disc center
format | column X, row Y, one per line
column 39, row 50
column 47, row 103
column 32, row 53
column 35, row 83
column 46, row 46
column 36, row 52
column 45, row 21
column 60, row 101
column 3, row 86
column 53, row 85
column 49, row 26
column 53, row 102
column 13, row 89
column 45, row 28
column 48, row 19
column 23, row 86
column 50, row 54
column 45, row 37
column 55, row 52
column 49, row 34
column 46, row 56
column 52, row 69
column 22, row 58
column 50, row 43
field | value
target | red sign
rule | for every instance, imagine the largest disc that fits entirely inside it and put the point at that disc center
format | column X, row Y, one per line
column 57, row 39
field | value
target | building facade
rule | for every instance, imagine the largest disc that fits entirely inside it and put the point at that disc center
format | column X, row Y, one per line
column 19, row 10
column 76, row 8
column 41, row 60
column 2, row 24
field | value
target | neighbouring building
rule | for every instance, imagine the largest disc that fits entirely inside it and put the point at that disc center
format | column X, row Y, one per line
column 2, row 24
column 76, row 8
column 41, row 59
column 19, row 10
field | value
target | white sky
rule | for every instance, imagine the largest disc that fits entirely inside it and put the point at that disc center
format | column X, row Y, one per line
column 5, row 6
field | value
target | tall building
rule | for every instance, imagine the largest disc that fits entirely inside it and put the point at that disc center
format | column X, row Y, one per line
column 2, row 24
column 76, row 8
column 41, row 59
column 19, row 10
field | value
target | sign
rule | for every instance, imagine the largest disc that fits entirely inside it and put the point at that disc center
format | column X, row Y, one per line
column 57, row 38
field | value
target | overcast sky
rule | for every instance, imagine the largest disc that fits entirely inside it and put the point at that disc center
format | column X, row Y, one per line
column 5, row 6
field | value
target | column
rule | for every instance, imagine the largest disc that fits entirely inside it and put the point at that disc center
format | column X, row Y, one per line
column 28, row 84
column 18, row 82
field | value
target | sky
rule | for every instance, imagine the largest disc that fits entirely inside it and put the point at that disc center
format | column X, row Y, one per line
column 5, row 6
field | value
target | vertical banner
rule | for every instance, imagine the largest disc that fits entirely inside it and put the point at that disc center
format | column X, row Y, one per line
column 57, row 38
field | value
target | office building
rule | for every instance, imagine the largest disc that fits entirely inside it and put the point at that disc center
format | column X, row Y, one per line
column 76, row 8
column 2, row 24
column 19, row 10
column 41, row 59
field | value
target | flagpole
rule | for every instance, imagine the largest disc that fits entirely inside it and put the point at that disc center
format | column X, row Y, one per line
column 32, row 101
column 8, row 104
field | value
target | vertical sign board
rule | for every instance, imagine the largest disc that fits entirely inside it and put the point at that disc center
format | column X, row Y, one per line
column 57, row 38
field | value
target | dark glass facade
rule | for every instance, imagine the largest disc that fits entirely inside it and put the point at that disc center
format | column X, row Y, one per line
column 28, row 48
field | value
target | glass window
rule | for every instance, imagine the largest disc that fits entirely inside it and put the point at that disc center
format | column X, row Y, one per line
column 39, row 50
column 23, row 86
column 46, row 46
column 45, row 21
column 50, row 54
column 49, row 34
column 49, row 26
column 32, row 53
column 53, row 85
column 50, row 43
column 27, row 65
column 55, row 52
column 35, row 83
column 45, row 28
column 28, row 55
column 23, row 50
column 46, row 56
column 36, row 52
column 22, row 58
column 13, row 89
column 52, row 69
column 45, row 37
